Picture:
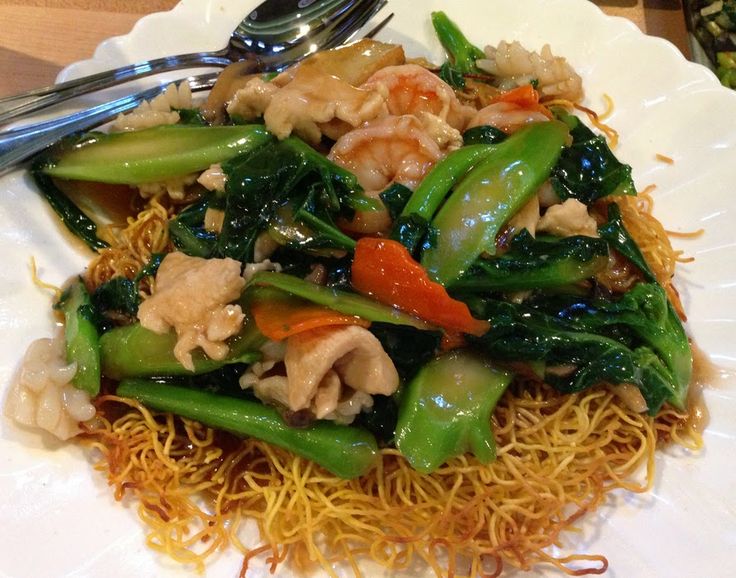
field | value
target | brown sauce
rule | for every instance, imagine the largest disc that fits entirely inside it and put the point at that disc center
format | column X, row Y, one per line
column 706, row 375
column 103, row 203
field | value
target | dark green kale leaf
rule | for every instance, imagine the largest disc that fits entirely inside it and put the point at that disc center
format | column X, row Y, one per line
column 587, row 170
column 116, row 301
column 191, row 117
column 288, row 172
column 395, row 198
column 484, row 134
column 452, row 76
column 74, row 219
column 536, row 264
column 619, row 239
column 188, row 233
column 633, row 340
column 380, row 419
column 408, row 348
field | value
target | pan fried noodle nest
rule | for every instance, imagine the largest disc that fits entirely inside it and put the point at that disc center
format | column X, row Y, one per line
column 558, row 456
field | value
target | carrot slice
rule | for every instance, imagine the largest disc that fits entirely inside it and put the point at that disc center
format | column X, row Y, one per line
column 283, row 317
column 385, row 270
column 525, row 96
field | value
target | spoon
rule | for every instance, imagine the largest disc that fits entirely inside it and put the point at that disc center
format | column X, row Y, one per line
column 274, row 35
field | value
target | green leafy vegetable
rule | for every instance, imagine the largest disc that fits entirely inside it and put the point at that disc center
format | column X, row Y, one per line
column 494, row 190
column 380, row 419
column 461, row 53
column 484, row 134
column 587, row 169
column 395, row 198
column 134, row 351
column 73, row 218
column 412, row 226
column 634, row 340
column 409, row 348
column 341, row 301
column 446, row 411
column 188, row 233
column 120, row 296
column 452, row 76
column 325, row 233
column 154, row 154
column 643, row 316
column 347, row 452
column 82, row 339
column 191, row 117
column 536, row 264
column 619, row 238
column 289, row 172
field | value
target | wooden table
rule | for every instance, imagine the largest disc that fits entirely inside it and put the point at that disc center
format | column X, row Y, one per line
column 29, row 59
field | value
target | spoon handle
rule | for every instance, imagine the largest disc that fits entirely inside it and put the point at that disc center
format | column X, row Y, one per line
column 18, row 144
column 19, row 105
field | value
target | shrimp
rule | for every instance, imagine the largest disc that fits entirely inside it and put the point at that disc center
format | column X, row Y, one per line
column 392, row 149
column 413, row 89
column 507, row 116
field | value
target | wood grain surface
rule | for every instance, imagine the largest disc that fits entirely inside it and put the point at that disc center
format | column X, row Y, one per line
column 39, row 37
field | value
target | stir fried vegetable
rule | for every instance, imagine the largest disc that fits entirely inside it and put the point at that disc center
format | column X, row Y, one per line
column 587, row 169
column 446, row 411
column 537, row 264
column 347, row 452
column 82, row 339
column 471, row 218
column 154, row 154
column 461, row 52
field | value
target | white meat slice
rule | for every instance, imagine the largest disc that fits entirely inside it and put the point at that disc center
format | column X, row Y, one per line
column 311, row 104
column 192, row 296
column 568, row 219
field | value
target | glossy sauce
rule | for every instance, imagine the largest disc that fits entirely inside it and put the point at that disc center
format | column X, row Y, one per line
column 103, row 203
column 706, row 374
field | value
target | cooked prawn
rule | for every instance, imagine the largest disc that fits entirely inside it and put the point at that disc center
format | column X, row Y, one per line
column 507, row 116
column 413, row 89
column 392, row 149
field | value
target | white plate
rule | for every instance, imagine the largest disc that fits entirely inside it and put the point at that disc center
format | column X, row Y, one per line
column 58, row 516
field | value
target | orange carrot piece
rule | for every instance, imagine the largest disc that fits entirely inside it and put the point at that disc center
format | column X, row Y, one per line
column 525, row 96
column 386, row 271
column 282, row 318
column 452, row 340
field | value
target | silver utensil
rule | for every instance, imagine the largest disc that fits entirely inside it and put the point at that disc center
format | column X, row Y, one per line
column 19, row 144
column 275, row 34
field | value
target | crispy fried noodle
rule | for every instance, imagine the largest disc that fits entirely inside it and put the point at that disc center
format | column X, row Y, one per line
column 558, row 457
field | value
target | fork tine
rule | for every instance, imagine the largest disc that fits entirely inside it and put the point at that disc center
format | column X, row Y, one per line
column 378, row 27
